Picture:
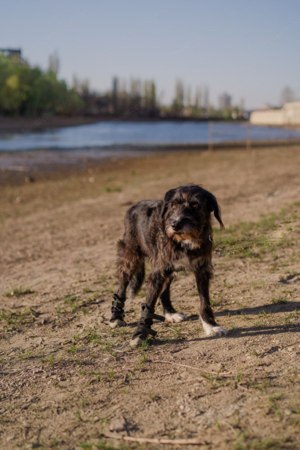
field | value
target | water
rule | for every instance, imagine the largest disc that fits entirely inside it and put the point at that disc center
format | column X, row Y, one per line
column 113, row 134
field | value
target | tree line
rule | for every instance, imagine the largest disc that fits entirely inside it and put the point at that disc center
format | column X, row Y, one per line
column 31, row 91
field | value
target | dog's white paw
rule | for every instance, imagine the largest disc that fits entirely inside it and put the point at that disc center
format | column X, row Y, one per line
column 117, row 323
column 211, row 330
column 136, row 342
column 174, row 317
column 218, row 331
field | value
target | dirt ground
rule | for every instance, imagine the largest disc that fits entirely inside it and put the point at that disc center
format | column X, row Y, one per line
column 70, row 382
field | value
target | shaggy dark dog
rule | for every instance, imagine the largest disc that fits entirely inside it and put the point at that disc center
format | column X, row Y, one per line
column 166, row 231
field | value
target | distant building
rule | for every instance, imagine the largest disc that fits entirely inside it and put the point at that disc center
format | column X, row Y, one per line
column 289, row 114
column 11, row 52
column 225, row 101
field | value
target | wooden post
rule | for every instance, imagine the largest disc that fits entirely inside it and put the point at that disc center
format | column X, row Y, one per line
column 210, row 136
column 248, row 139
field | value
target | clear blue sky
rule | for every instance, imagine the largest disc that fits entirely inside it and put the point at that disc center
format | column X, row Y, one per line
column 248, row 48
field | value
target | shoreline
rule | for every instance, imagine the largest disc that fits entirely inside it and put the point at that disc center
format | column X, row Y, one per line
column 19, row 167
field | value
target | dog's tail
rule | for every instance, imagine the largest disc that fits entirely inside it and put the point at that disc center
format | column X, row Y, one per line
column 215, row 208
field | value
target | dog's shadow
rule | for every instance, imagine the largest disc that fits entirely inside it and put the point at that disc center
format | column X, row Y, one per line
column 268, row 309
column 247, row 331
column 239, row 332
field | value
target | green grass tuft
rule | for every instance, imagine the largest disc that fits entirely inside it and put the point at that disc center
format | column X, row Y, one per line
column 255, row 240
column 18, row 292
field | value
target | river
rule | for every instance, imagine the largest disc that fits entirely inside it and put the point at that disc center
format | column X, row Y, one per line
column 114, row 134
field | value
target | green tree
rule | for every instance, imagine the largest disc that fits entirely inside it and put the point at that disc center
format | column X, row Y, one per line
column 26, row 90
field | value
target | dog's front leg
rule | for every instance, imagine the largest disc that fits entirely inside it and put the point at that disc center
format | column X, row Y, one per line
column 143, row 330
column 211, row 328
column 170, row 313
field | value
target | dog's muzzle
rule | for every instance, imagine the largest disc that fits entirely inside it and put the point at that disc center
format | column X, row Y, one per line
column 182, row 226
column 177, row 225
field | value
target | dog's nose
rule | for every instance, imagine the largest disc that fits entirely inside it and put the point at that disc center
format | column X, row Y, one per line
column 177, row 225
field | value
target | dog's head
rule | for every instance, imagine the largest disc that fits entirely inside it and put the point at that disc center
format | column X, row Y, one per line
column 187, row 212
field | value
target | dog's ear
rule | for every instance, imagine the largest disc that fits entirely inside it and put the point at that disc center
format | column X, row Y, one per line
column 167, row 198
column 169, row 195
column 215, row 208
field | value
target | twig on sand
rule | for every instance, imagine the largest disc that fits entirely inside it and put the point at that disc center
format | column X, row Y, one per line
column 174, row 364
column 162, row 361
column 143, row 440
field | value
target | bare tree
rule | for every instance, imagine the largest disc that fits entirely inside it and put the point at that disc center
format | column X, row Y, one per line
column 135, row 96
column 149, row 95
column 115, row 94
column 198, row 98
column 179, row 99
column 206, row 97
column 287, row 95
column 54, row 63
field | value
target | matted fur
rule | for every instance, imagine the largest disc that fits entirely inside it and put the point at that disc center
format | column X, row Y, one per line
column 164, row 231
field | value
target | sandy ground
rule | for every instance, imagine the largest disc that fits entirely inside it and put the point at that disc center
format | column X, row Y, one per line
column 69, row 382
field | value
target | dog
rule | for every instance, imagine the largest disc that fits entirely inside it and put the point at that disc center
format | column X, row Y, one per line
column 165, row 231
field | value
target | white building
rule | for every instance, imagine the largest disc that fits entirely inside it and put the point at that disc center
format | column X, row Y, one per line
column 289, row 114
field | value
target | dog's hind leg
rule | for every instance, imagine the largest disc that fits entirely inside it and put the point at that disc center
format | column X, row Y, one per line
column 136, row 282
column 128, row 266
column 170, row 313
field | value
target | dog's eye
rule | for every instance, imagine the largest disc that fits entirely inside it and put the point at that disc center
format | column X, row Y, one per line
column 176, row 202
column 194, row 205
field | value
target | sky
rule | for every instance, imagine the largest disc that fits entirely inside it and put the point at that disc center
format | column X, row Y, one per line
column 248, row 48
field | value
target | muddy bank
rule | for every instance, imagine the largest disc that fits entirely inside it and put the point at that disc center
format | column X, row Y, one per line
column 17, row 167
column 26, row 124
column 22, row 167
